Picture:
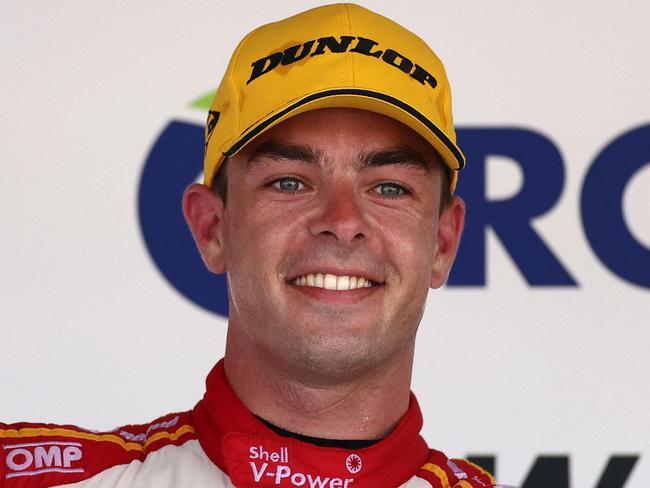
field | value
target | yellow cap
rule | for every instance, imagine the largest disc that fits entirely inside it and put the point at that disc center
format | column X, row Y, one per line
column 340, row 55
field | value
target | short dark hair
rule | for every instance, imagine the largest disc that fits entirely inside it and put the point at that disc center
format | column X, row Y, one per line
column 220, row 184
column 445, row 186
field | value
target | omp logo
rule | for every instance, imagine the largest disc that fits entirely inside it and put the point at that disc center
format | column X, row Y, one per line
column 42, row 457
column 353, row 463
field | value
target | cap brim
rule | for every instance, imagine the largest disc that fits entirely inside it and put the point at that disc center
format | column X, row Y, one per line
column 376, row 102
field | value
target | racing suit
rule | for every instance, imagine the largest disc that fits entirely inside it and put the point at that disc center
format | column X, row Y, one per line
column 220, row 443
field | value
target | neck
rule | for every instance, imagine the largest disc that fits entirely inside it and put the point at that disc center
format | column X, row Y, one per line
column 365, row 406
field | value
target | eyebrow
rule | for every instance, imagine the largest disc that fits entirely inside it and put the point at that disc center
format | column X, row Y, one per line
column 398, row 155
column 278, row 151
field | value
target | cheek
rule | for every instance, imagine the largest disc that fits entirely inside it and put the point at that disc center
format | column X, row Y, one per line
column 410, row 240
column 256, row 239
column 251, row 265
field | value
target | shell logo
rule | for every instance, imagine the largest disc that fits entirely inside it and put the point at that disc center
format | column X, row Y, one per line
column 353, row 463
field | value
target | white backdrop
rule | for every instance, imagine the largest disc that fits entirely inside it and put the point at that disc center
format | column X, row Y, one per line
column 93, row 335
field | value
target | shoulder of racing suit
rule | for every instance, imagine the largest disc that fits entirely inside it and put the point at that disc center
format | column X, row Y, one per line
column 47, row 455
column 162, row 453
column 220, row 443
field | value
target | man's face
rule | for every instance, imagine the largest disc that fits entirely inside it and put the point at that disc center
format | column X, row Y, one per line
column 331, row 237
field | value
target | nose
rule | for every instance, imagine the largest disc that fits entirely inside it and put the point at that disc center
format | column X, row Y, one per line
column 340, row 216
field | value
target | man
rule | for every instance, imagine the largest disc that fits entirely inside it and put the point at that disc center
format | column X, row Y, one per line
column 330, row 165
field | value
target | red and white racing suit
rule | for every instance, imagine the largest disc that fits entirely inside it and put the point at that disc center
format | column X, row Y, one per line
column 221, row 444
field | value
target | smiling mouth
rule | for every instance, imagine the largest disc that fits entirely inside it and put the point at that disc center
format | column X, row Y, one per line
column 333, row 282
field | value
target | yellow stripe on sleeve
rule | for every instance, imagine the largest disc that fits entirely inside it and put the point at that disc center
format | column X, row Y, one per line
column 169, row 435
column 481, row 470
column 439, row 472
column 60, row 432
column 463, row 484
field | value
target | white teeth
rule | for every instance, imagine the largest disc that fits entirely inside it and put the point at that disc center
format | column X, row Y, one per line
column 318, row 281
column 343, row 283
column 332, row 282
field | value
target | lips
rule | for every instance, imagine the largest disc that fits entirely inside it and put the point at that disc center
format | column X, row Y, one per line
column 330, row 281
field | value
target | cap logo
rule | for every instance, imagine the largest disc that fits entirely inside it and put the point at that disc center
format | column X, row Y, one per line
column 358, row 45
column 211, row 123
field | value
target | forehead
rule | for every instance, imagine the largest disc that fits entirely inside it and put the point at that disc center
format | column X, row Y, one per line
column 343, row 133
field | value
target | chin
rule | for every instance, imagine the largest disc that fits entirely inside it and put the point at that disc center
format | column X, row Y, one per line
column 330, row 360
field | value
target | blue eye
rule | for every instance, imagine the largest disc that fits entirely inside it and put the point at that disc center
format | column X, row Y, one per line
column 288, row 185
column 391, row 190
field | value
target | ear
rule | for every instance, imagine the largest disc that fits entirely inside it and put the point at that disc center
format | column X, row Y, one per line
column 450, row 227
column 204, row 212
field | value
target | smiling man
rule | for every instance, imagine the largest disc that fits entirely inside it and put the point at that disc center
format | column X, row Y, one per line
column 331, row 232
column 330, row 166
